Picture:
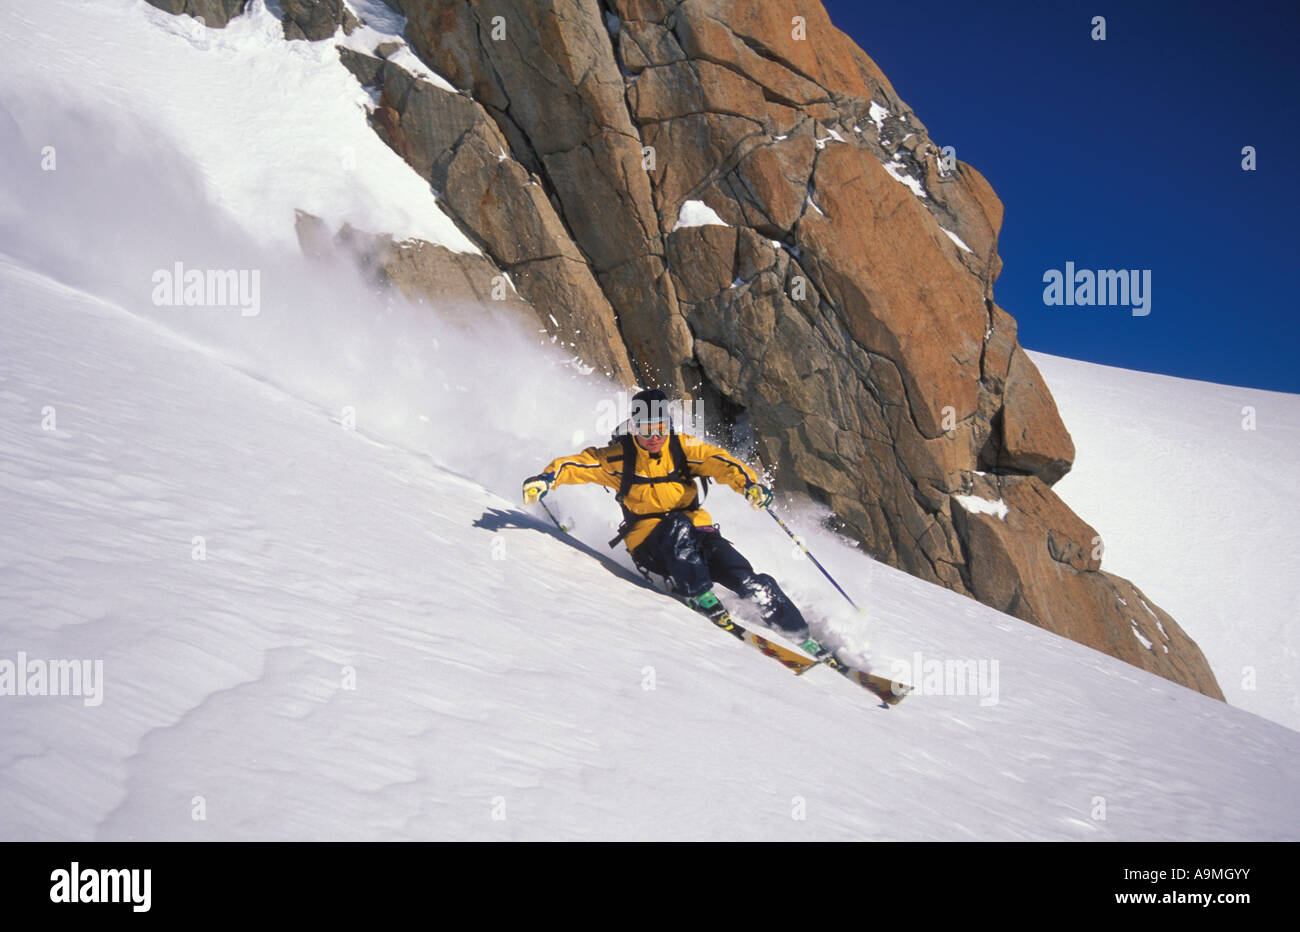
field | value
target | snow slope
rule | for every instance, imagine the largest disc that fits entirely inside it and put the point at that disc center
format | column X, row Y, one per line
column 497, row 669
column 310, row 631
column 1189, row 484
column 269, row 126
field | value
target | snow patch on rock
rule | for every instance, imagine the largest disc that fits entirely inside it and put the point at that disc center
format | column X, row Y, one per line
column 899, row 172
column 957, row 239
column 698, row 214
column 982, row 506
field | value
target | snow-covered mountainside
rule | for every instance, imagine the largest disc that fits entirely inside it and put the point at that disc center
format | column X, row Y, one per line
column 377, row 646
column 1187, row 483
column 288, row 543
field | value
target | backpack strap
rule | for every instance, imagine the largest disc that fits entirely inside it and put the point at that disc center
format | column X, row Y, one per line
column 629, row 468
column 680, row 462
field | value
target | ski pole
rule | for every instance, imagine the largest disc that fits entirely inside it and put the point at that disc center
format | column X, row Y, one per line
column 552, row 517
column 809, row 555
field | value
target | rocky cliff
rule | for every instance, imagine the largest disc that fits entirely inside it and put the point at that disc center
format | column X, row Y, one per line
column 839, row 306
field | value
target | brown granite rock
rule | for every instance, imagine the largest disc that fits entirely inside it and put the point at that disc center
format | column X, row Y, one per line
column 1042, row 563
column 546, row 72
column 214, row 13
column 451, row 141
column 1034, row 439
column 772, row 184
column 316, row 19
column 422, row 272
column 837, row 314
column 869, row 236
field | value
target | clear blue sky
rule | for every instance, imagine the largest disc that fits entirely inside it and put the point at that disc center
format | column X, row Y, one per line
column 1123, row 154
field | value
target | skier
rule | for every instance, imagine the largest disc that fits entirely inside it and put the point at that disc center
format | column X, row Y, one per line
column 664, row 528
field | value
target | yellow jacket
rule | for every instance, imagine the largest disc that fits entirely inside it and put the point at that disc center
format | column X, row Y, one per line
column 604, row 466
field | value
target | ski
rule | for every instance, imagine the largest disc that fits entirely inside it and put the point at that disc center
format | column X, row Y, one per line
column 879, row 686
column 786, row 657
column 883, row 688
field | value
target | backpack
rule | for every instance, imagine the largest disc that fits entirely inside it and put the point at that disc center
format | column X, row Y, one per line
column 681, row 472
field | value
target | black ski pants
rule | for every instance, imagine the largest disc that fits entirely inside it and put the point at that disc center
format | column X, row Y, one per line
column 694, row 558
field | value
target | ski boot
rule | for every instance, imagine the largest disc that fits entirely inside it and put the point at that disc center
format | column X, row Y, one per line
column 821, row 654
column 708, row 605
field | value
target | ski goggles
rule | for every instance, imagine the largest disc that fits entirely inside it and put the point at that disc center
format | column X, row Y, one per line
column 662, row 429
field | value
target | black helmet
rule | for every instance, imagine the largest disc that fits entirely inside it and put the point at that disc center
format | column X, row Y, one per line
column 650, row 406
